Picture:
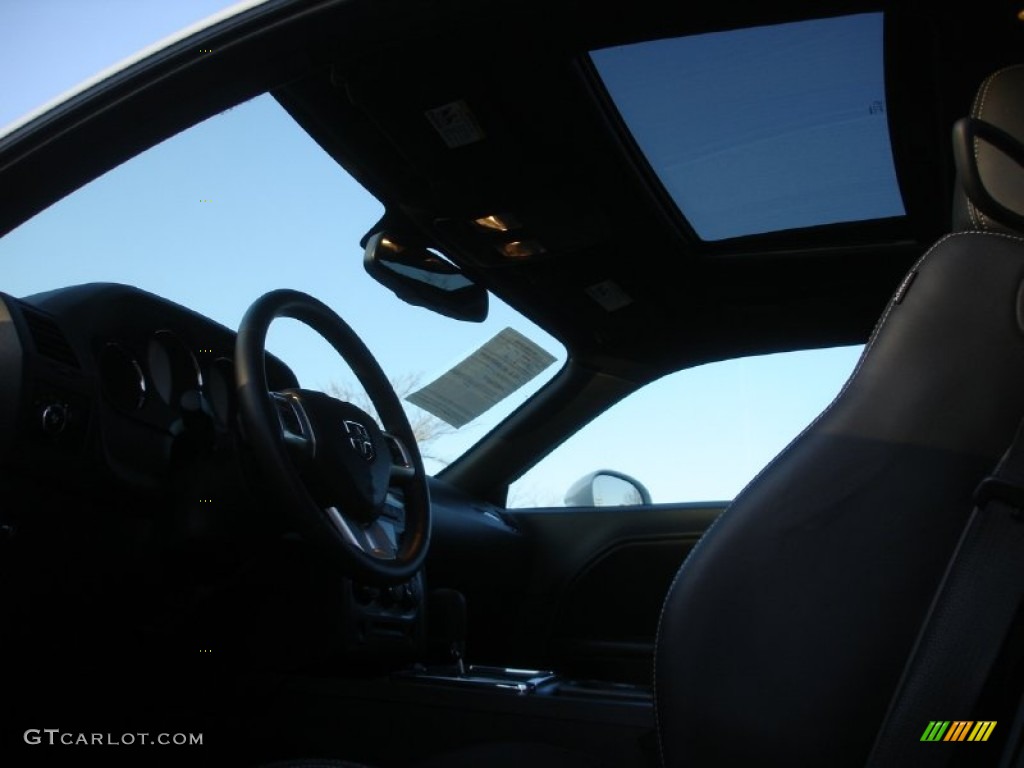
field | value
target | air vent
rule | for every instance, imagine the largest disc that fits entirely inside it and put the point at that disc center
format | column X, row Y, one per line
column 48, row 338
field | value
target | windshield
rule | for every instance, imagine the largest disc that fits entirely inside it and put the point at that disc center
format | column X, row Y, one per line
column 245, row 203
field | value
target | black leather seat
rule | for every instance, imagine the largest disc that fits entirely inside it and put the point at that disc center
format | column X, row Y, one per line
column 786, row 630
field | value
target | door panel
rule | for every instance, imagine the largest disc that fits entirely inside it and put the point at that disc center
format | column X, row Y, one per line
column 574, row 589
column 593, row 596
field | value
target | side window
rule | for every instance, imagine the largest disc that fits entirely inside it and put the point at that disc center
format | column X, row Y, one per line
column 696, row 435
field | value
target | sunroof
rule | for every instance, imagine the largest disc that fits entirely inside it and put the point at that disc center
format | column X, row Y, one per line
column 762, row 129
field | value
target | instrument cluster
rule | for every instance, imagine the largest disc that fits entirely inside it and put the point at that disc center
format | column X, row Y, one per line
column 164, row 376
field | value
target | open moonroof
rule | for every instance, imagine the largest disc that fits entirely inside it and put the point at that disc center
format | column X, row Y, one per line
column 764, row 129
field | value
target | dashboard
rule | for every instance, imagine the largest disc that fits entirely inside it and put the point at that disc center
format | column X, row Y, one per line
column 109, row 377
column 121, row 458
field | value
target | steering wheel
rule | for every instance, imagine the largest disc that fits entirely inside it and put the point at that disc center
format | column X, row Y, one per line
column 328, row 461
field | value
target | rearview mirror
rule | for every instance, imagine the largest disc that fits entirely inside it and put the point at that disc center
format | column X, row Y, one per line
column 421, row 277
column 607, row 488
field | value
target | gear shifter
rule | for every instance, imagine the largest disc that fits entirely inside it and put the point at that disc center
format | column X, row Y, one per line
column 446, row 625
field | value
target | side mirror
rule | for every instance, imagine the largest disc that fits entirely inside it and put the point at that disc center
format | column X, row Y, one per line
column 607, row 488
column 423, row 278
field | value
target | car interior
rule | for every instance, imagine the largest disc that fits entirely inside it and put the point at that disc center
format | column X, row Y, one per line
column 192, row 541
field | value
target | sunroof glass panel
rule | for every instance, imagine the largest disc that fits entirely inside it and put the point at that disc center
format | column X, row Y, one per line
column 764, row 129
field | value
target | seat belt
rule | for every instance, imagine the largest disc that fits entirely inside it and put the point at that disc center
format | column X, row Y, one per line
column 964, row 631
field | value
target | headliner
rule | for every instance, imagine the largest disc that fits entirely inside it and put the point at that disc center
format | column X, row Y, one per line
column 358, row 76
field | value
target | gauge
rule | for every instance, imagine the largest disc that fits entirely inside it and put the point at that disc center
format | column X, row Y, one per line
column 121, row 378
column 172, row 367
column 220, row 389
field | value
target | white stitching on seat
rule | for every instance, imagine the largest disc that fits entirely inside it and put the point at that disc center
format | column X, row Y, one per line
column 976, row 109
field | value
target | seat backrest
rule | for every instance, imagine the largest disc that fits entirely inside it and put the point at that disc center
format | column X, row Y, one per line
column 785, row 632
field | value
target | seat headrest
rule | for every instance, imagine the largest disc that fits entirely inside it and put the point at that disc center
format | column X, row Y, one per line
column 988, row 148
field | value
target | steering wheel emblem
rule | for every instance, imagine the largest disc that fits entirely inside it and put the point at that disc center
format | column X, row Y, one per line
column 359, row 438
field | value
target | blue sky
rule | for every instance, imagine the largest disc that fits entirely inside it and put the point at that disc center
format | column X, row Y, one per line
column 283, row 215
column 49, row 46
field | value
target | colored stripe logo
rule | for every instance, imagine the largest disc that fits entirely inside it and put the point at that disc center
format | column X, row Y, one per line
column 958, row 730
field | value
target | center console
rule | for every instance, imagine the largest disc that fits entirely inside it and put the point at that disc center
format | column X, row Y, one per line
column 407, row 691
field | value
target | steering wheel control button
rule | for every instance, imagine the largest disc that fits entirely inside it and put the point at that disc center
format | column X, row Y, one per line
column 296, row 429
column 287, row 416
column 401, row 464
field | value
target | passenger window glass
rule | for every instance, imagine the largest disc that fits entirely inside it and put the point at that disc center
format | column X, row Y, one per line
column 697, row 435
